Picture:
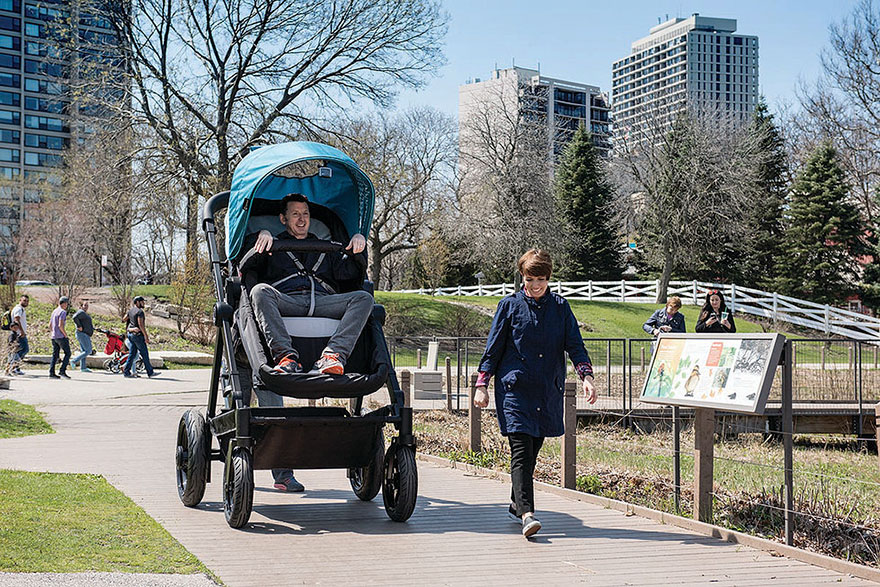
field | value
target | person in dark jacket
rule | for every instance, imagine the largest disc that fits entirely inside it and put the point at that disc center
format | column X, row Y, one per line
column 531, row 332
column 714, row 316
column 669, row 319
column 84, row 331
column 307, row 284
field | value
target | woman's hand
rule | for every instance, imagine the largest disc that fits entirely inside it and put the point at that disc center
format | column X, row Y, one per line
column 711, row 320
column 481, row 397
column 589, row 389
column 264, row 241
column 726, row 324
column 666, row 328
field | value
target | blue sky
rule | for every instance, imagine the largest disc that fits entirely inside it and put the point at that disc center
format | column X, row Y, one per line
column 578, row 40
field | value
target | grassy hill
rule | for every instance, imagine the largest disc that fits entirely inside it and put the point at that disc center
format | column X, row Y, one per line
column 442, row 315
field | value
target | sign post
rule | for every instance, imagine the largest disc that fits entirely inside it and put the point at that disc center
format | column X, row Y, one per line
column 709, row 372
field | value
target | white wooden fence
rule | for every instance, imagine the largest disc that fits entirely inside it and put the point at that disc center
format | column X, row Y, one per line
column 777, row 307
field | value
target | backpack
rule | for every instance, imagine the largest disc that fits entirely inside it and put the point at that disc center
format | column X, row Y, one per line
column 6, row 321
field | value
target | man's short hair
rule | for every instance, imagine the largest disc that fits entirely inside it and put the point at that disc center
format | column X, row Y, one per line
column 292, row 198
column 535, row 263
column 25, row 296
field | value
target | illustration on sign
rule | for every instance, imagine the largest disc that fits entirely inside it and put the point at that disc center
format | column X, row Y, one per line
column 729, row 372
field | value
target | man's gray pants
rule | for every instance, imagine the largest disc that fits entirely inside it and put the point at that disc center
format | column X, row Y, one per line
column 352, row 309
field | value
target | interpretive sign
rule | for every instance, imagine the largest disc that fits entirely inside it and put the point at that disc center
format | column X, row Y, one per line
column 730, row 372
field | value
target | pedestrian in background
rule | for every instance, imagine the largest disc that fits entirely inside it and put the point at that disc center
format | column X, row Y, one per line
column 18, row 336
column 84, row 331
column 714, row 315
column 60, row 342
column 669, row 319
column 531, row 332
column 138, row 337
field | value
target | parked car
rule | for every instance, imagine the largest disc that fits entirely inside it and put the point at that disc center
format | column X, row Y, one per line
column 32, row 282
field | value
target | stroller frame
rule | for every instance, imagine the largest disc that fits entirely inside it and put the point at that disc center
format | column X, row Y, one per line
column 296, row 437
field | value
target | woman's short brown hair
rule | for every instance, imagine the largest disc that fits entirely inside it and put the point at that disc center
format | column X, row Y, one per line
column 674, row 301
column 535, row 263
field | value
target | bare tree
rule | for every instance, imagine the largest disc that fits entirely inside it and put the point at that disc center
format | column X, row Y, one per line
column 844, row 104
column 684, row 189
column 505, row 193
column 212, row 78
column 408, row 157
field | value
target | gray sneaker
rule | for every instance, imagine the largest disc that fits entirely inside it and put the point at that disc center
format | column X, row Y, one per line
column 290, row 484
column 530, row 524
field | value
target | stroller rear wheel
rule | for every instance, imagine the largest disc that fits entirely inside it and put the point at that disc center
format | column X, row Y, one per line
column 192, row 458
column 367, row 481
column 400, row 484
column 238, row 488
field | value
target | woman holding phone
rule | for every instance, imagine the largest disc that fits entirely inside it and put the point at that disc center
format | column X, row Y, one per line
column 714, row 316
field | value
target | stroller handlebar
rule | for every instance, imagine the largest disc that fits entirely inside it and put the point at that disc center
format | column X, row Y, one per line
column 293, row 245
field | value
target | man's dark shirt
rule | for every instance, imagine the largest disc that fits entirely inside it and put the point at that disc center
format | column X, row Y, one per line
column 133, row 314
column 278, row 267
column 84, row 321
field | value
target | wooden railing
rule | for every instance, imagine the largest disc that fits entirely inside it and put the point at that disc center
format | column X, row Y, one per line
column 771, row 305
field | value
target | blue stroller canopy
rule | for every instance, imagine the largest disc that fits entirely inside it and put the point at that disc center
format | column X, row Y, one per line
column 339, row 184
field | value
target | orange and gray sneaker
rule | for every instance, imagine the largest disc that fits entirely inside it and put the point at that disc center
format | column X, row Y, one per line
column 330, row 364
column 287, row 365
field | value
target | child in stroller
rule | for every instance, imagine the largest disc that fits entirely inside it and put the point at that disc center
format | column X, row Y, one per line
column 117, row 349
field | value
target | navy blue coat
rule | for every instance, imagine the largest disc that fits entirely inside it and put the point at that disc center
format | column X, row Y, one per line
column 526, row 354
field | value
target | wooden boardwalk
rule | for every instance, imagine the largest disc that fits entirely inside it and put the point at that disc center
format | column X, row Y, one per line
column 459, row 533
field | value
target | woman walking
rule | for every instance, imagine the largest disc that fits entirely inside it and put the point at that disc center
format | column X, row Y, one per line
column 714, row 316
column 531, row 332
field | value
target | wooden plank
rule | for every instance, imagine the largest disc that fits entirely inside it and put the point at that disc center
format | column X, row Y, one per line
column 704, row 461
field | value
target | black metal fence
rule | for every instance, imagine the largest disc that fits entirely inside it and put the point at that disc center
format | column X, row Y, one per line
column 826, row 370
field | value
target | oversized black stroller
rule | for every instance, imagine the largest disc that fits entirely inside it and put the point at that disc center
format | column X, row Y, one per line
column 305, row 437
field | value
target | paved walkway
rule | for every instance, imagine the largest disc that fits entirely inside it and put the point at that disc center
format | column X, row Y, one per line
column 459, row 533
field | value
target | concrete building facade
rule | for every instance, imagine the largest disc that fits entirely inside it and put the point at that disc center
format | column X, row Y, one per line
column 697, row 62
column 562, row 105
column 43, row 45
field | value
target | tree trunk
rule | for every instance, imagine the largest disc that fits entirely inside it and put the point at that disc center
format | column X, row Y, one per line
column 376, row 265
column 663, row 287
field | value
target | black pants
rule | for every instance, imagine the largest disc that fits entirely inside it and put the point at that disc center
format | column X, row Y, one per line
column 523, row 455
column 58, row 345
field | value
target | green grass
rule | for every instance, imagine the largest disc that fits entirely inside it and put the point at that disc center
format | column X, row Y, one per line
column 21, row 420
column 64, row 523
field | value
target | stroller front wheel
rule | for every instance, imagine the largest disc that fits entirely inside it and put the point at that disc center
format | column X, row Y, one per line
column 400, row 484
column 238, row 488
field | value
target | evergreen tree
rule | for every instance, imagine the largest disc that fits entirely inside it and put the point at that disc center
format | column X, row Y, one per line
column 870, row 290
column 583, row 194
column 767, row 215
column 823, row 234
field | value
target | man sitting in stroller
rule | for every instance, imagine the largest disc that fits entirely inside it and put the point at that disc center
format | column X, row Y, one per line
column 307, row 284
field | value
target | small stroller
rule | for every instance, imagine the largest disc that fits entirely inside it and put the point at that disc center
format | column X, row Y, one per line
column 117, row 348
column 341, row 200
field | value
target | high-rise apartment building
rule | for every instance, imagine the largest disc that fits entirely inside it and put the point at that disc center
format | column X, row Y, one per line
column 697, row 62
column 43, row 45
column 562, row 105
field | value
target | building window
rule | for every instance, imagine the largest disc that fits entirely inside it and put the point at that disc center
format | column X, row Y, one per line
column 10, row 172
column 45, row 68
column 43, row 159
column 41, row 105
column 7, row 23
column 45, row 142
column 10, row 99
column 10, row 136
column 10, row 61
column 10, row 80
column 45, row 123
column 10, row 117
column 44, row 86
column 10, row 42
column 10, row 155
column 41, row 12
column 11, row 5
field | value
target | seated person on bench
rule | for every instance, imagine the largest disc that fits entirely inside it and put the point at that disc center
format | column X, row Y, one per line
column 306, row 284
